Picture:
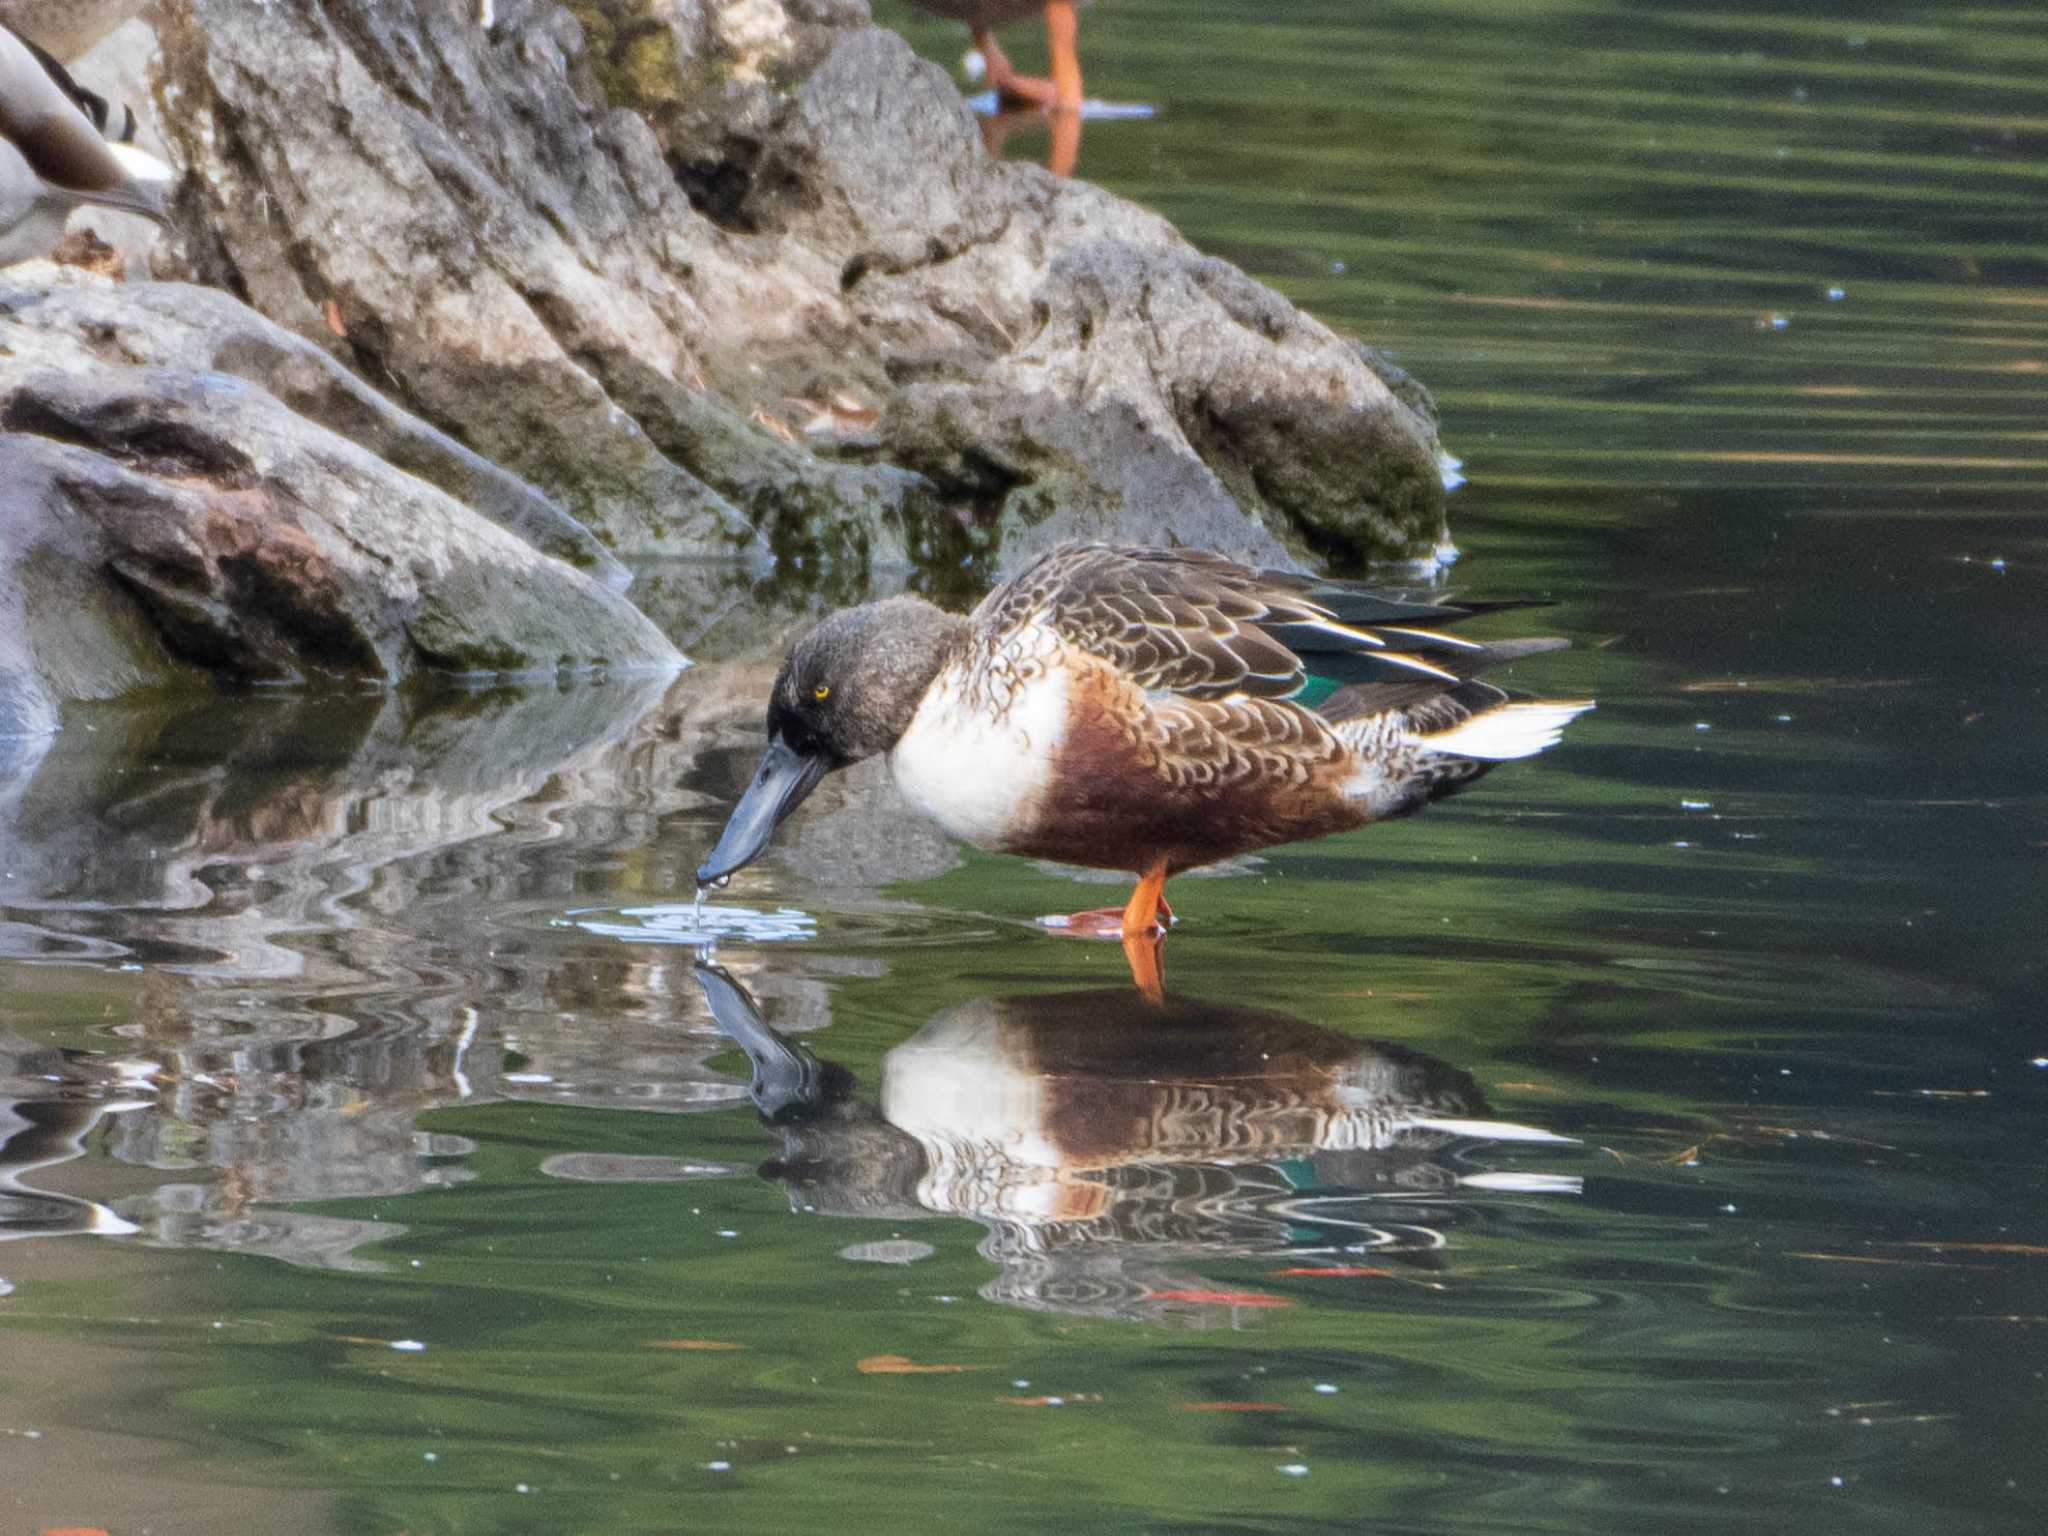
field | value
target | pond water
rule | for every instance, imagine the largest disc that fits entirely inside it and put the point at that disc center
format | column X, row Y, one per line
column 1648, row 1139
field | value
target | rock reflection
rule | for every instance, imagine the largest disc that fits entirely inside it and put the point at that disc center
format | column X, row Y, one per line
column 47, row 1110
column 309, row 920
column 1104, row 1141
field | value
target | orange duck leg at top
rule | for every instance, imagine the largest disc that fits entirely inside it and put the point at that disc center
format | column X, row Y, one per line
column 1058, row 96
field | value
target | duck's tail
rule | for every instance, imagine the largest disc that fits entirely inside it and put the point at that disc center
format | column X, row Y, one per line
column 1451, row 733
column 1512, row 728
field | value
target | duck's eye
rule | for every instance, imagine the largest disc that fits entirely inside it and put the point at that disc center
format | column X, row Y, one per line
column 822, row 691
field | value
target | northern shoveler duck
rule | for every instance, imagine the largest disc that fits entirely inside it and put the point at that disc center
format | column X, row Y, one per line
column 55, row 156
column 1140, row 710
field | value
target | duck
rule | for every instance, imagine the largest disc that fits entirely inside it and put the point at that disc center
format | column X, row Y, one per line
column 55, row 155
column 1144, row 710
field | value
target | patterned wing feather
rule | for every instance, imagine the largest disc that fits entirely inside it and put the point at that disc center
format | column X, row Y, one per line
column 1192, row 623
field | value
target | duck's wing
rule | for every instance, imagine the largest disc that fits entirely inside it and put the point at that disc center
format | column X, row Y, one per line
column 1189, row 622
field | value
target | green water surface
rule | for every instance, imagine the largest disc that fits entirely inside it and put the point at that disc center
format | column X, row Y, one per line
column 329, row 1027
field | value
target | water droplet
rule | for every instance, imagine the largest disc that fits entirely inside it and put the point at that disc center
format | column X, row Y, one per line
column 1294, row 1469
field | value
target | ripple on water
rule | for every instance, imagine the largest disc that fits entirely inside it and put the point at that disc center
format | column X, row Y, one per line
column 708, row 924
column 697, row 923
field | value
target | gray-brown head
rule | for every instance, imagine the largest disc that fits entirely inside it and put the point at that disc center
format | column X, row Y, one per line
column 846, row 691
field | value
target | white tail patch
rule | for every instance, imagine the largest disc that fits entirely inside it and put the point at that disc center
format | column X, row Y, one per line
column 1512, row 730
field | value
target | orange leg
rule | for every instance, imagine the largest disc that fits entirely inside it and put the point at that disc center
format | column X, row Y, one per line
column 1065, row 150
column 1062, row 38
column 1058, row 97
column 1147, row 957
column 1011, row 88
column 1145, row 914
column 1063, row 90
column 1141, row 912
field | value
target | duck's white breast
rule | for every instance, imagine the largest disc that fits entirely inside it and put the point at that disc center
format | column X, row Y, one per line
column 979, row 754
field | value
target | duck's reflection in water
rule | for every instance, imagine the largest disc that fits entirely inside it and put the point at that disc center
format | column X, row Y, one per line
column 1107, row 1143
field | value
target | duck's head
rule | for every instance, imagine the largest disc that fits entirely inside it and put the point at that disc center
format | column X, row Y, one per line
column 846, row 691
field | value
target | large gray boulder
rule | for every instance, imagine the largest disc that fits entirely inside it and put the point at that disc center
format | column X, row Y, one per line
column 744, row 272
column 162, row 519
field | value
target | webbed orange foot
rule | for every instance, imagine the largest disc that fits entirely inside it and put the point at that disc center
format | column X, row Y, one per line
column 1096, row 923
column 1145, row 915
column 1100, row 923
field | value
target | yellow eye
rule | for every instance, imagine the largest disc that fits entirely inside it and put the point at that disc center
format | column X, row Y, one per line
column 822, row 691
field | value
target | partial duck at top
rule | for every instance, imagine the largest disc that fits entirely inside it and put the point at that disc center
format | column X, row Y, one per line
column 1058, row 95
column 56, row 155
column 1141, row 710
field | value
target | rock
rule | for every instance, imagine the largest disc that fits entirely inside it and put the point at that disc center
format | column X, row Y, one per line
column 455, row 220
column 719, row 272
column 178, row 325
column 160, row 519
column 66, row 28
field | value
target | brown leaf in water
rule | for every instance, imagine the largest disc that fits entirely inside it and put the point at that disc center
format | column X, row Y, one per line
column 1224, row 1298
column 1872, row 1258
column 71, row 1530
column 692, row 1344
column 902, row 1365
